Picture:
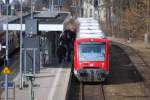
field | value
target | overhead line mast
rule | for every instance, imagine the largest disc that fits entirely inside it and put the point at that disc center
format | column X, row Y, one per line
column 6, row 57
column 21, row 42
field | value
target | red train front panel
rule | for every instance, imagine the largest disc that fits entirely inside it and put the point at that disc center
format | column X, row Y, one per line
column 91, row 59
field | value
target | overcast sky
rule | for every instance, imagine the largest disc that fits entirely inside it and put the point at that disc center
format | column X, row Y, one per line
column 10, row 0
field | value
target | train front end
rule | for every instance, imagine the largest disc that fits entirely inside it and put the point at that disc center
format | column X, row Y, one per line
column 91, row 59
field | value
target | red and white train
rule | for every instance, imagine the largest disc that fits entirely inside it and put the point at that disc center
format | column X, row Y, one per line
column 91, row 52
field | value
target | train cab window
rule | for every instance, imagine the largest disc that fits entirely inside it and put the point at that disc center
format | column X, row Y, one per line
column 91, row 52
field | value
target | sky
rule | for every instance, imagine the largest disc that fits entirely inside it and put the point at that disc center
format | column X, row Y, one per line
column 10, row 0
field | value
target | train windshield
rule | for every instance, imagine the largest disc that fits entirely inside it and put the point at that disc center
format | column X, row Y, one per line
column 91, row 51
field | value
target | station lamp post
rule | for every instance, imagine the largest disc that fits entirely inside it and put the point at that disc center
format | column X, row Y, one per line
column 49, row 5
column 21, row 42
column 31, row 9
column 6, row 57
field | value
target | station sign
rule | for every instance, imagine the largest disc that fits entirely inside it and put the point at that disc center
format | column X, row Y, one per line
column 9, row 84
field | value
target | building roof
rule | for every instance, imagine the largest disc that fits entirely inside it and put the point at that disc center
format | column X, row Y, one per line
column 52, row 18
column 47, row 21
column 3, row 20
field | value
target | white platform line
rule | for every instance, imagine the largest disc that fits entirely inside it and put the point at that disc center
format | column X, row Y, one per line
column 54, row 84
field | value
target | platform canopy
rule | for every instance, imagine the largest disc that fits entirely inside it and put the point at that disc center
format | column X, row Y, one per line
column 47, row 21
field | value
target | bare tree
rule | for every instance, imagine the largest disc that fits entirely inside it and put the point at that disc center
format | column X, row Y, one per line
column 131, row 16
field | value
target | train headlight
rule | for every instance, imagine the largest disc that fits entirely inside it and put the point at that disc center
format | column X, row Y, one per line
column 103, row 65
column 91, row 40
column 80, row 64
column 91, row 65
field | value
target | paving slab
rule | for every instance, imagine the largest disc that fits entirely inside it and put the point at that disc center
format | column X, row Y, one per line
column 51, row 84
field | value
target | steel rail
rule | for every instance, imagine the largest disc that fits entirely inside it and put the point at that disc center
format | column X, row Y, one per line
column 94, row 91
column 102, row 92
column 137, row 53
column 81, row 91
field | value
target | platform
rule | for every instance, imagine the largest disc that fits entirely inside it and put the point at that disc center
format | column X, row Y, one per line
column 51, row 84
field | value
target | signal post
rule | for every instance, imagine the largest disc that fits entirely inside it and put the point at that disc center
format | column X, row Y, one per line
column 6, row 71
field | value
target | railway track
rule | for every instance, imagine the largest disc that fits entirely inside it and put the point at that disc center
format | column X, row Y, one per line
column 124, row 82
column 146, row 83
column 142, row 66
column 91, row 92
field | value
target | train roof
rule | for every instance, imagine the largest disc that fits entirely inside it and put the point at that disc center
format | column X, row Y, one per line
column 86, row 19
column 90, row 34
column 89, row 28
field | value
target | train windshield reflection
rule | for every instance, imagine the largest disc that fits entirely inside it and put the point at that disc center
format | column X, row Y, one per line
column 91, row 51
